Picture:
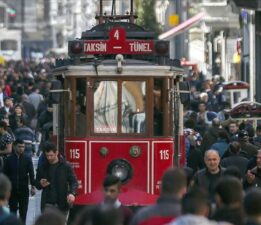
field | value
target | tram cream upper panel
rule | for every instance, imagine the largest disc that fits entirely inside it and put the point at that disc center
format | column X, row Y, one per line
column 128, row 70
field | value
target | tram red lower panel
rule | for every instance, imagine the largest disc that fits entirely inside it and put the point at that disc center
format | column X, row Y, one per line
column 92, row 159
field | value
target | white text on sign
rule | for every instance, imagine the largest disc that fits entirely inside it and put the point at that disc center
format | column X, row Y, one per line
column 74, row 153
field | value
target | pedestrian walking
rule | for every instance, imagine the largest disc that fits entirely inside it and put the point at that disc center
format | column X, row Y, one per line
column 253, row 176
column 57, row 181
column 26, row 134
column 100, row 215
column 112, row 188
column 195, row 208
column 222, row 143
column 17, row 116
column 35, row 98
column 248, row 148
column 7, row 109
column 6, row 141
column 229, row 196
column 233, row 129
column 168, row 205
column 51, row 217
column 19, row 169
column 208, row 176
column 235, row 158
column 252, row 206
column 5, row 189
column 211, row 136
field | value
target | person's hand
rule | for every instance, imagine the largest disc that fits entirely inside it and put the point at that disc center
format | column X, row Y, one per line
column 250, row 177
column 44, row 182
column 70, row 199
column 33, row 191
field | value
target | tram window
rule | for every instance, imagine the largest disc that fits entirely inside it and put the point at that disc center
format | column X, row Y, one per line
column 133, row 106
column 236, row 96
column 105, row 106
column 227, row 96
column 80, row 108
column 158, row 108
column 240, row 96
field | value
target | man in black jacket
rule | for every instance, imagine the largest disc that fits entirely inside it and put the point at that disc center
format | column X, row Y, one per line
column 253, row 176
column 208, row 177
column 19, row 168
column 57, row 180
column 235, row 158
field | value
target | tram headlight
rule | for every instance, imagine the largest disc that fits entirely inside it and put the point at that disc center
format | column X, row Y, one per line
column 162, row 48
column 75, row 47
column 120, row 168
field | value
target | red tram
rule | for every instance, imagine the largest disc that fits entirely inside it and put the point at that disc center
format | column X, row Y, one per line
column 117, row 106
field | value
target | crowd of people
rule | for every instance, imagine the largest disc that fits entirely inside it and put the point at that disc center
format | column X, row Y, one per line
column 208, row 125
column 24, row 108
column 25, row 122
column 219, row 185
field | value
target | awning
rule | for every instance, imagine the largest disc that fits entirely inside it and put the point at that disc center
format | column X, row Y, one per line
column 182, row 27
column 253, row 4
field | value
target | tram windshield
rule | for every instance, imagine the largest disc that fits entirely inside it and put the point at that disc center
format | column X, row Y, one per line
column 235, row 96
column 132, row 106
column 105, row 107
column 120, row 106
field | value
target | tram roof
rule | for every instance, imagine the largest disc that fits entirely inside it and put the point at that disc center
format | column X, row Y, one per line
column 108, row 68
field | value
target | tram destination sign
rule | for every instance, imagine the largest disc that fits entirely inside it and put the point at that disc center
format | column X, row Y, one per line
column 118, row 44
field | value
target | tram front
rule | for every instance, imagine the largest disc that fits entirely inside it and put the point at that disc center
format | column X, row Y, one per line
column 114, row 112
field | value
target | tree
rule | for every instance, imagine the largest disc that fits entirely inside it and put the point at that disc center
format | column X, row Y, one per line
column 146, row 15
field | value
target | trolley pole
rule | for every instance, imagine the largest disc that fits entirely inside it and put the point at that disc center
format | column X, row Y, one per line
column 101, row 12
column 252, row 40
column 176, row 118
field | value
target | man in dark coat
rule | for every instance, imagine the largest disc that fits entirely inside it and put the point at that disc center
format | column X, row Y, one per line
column 19, row 169
column 229, row 196
column 208, row 177
column 235, row 159
column 57, row 180
column 249, row 149
column 168, row 206
column 253, row 176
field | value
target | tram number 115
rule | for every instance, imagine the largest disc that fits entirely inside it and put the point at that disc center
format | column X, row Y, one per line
column 74, row 153
column 164, row 154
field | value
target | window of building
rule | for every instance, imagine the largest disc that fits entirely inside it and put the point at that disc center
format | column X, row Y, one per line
column 9, row 45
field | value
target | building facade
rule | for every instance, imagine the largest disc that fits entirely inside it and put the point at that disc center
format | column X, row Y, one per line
column 49, row 24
